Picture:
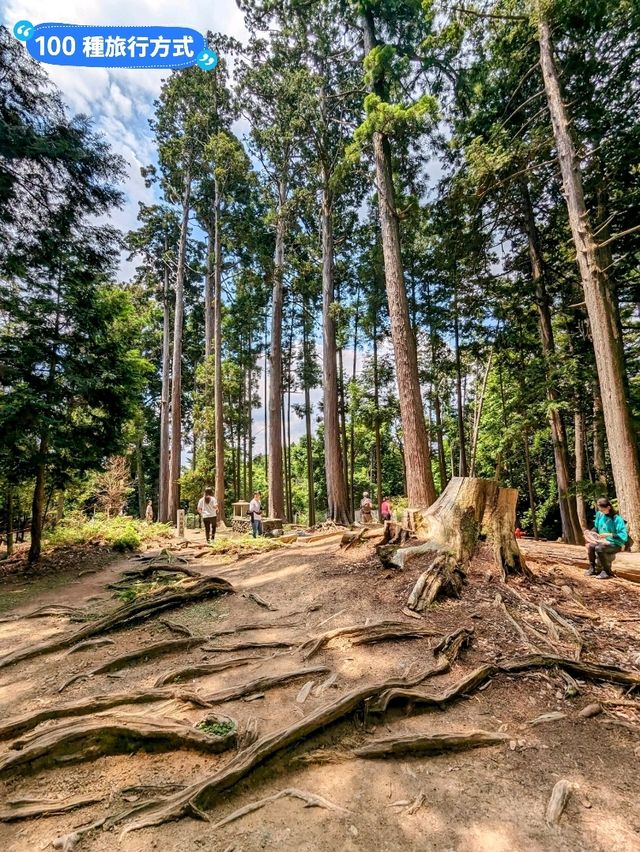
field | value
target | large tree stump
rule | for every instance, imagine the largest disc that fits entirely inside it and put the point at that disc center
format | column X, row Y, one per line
column 448, row 533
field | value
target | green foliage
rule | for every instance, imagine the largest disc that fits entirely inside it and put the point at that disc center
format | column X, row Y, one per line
column 217, row 728
column 121, row 533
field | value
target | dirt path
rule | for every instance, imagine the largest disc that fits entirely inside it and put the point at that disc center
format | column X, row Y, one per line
column 484, row 800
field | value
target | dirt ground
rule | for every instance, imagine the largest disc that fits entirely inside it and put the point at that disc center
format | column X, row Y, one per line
column 490, row 799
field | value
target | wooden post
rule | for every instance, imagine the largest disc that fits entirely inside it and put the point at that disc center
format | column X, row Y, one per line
column 180, row 523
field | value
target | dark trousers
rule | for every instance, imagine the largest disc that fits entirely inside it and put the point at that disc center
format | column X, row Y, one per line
column 603, row 554
column 210, row 528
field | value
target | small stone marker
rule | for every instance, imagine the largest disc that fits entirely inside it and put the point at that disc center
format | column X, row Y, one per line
column 180, row 523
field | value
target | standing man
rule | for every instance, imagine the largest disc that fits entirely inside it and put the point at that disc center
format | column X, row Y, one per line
column 255, row 513
column 365, row 509
column 208, row 511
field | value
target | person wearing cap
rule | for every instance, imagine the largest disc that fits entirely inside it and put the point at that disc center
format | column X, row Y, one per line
column 612, row 535
column 365, row 509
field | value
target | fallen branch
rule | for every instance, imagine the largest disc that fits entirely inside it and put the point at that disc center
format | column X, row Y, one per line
column 311, row 800
column 430, row 743
column 33, row 809
column 124, row 616
column 88, row 739
column 360, row 634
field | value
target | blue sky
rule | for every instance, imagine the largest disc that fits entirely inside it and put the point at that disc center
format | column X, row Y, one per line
column 121, row 100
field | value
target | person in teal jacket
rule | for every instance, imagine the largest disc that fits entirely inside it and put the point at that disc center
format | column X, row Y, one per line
column 611, row 526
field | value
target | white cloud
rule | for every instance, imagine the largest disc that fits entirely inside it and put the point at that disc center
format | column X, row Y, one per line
column 120, row 100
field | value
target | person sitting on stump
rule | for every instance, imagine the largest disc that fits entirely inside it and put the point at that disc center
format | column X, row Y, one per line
column 612, row 533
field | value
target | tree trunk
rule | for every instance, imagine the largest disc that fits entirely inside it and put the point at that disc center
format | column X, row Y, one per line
column 599, row 298
column 532, row 497
column 571, row 528
column 420, row 487
column 218, row 401
column 599, row 456
column 580, row 466
column 337, row 499
column 164, row 472
column 176, row 373
column 208, row 298
column 249, row 494
column 142, row 502
column 307, row 420
column 37, row 507
column 376, row 411
column 462, row 469
column 276, row 492
column 477, row 416
column 9, row 520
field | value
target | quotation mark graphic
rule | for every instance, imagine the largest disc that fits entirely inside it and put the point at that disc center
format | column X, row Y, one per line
column 207, row 59
column 23, row 30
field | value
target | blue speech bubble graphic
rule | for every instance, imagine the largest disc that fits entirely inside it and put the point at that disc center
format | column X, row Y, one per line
column 207, row 60
column 23, row 30
column 117, row 47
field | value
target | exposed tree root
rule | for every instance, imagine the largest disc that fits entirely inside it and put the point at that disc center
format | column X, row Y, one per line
column 204, row 793
column 471, row 681
column 203, row 670
column 281, row 624
column 444, row 576
column 49, row 611
column 35, row 808
column 89, row 644
column 174, row 627
column 148, row 652
column 232, row 693
column 245, row 646
column 430, row 743
column 558, row 801
column 19, row 724
column 360, row 634
column 124, row 616
column 253, row 596
column 88, row 739
column 453, row 643
column 132, row 575
column 311, row 800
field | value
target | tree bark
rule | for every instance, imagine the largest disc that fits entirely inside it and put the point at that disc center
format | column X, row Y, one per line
column 208, row 298
column 218, row 402
column 142, row 502
column 376, row 410
column 164, row 472
column 420, row 487
column 38, row 504
column 578, row 420
column 337, row 498
column 176, row 373
column 571, row 528
column 276, row 492
column 9, row 520
column 532, row 497
column 462, row 468
column 599, row 456
column 307, row 421
column 600, row 302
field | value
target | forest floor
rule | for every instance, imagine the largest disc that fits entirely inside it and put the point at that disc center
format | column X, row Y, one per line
column 490, row 799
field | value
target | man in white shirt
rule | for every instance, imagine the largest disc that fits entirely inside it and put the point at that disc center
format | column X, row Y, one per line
column 255, row 513
column 208, row 511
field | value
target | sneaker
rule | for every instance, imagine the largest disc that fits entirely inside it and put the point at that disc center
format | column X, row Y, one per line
column 591, row 572
column 603, row 575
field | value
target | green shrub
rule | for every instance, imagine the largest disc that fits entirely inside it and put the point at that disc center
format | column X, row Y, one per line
column 122, row 533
